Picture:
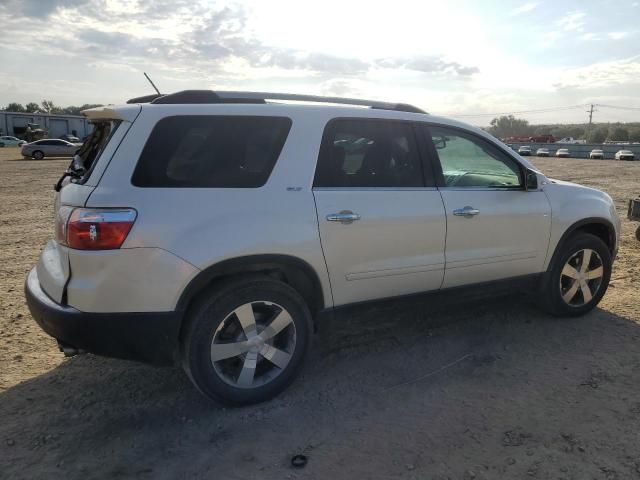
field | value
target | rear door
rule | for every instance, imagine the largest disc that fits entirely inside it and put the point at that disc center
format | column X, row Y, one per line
column 495, row 228
column 381, row 219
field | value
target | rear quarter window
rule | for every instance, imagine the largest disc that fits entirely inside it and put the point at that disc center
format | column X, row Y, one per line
column 211, row 152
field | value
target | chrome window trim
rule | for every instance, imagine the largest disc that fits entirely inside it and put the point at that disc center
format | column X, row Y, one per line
column 369, row 189
column 491, row 189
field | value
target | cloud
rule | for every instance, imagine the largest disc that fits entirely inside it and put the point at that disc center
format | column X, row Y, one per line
column 341, row 87
column 429, row 65
column 548, row 39
column 589, row 36
column 601, row 75
column 212, row 41
column 572, row 22
column 617, row 35
column 43, row 8
column 526, row 8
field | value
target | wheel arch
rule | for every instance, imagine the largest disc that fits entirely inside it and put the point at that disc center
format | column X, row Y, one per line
column 598, row 226
column 292, row 270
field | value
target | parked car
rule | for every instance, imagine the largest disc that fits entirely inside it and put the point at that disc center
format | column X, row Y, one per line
column 524, row 150
column 8, row 141
column 543, row 139
column 49, row 147
column 563, row 153
column 517, row 139
column 596, row 153
column 571, row 140
column 70, row 138
column 225, row 267
column 542, row 152
column 624, row 155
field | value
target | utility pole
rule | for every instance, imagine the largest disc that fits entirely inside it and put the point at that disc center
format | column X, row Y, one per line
column 590, row 112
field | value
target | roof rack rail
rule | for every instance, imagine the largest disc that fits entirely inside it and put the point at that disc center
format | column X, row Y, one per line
column 210, row 96
column 144, row 98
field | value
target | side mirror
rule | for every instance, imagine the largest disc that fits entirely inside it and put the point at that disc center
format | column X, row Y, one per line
column 439, row 142
column 531, row 180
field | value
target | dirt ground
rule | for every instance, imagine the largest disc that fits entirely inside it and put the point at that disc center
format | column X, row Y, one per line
column 484, row 390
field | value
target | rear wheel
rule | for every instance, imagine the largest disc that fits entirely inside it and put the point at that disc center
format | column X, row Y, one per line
column 37, row 155
column 579, row 276
column 246, row 341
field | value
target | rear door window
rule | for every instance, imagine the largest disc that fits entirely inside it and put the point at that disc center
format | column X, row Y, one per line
column 358, row 153
column 211, row 152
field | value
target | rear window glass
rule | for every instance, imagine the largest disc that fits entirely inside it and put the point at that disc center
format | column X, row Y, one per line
column 211, row 152
column 93, row 145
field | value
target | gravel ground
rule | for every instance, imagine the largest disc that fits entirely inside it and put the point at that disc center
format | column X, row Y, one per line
column 484, row 390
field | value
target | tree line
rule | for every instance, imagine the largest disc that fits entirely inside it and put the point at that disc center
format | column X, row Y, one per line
column 46, row 106
column 510, row 126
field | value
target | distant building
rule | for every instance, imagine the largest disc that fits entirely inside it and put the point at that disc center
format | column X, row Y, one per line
column 15, row 124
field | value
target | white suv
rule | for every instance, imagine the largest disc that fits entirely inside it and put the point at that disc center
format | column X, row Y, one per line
column 213, row 229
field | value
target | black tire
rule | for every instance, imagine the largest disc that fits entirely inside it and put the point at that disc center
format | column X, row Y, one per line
column 37, row 155
column 1, row 145
column 552, row 285
column 215, row 311
column 638, row 234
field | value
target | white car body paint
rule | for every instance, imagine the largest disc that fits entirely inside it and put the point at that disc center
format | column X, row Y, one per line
column 406, row 241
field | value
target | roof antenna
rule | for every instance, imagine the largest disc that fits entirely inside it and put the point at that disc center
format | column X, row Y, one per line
column 152, row 84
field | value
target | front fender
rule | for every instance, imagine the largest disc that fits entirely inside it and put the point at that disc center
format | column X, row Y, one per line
column 574, row 206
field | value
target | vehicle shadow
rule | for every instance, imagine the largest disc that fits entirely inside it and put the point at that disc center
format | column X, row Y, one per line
column 29, row 159
column 493, row 387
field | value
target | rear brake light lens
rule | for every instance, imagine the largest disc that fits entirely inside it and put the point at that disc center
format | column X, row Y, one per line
column 94, row 228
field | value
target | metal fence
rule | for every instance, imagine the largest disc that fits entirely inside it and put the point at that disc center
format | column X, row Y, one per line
column 581, row 150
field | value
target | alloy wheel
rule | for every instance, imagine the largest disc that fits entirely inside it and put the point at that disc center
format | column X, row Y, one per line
column 253, row 344
column 581, row 277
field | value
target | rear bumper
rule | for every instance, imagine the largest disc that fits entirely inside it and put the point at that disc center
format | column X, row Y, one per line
column 150, row 337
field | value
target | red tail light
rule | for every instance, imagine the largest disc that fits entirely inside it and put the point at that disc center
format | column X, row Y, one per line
column 94, row 228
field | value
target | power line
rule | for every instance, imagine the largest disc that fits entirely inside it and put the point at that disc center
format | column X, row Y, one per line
column 617, row 107
column 540, row 110
column 591, row 108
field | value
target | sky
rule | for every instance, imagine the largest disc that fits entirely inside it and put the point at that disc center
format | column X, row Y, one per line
column 469, row 59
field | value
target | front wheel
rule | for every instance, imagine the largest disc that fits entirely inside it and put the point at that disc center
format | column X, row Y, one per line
column 579, row 276
column 246, row 341
column 38, row 155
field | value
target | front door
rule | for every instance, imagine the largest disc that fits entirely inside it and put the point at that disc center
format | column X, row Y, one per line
column 495, row 228
column 381, row 219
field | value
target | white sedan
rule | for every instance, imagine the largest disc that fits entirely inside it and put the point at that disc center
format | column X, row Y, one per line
column 50, row 147
column 8, row 141
column 624, row 155
column 596, row 153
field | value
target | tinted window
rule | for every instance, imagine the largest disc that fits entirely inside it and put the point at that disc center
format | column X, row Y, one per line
column 469, row 161
column 368, row 153
column 211, row 151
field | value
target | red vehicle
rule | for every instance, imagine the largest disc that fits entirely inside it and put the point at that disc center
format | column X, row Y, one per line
column 534, row 139
column 517, row 139
column 543, row 139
